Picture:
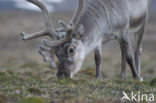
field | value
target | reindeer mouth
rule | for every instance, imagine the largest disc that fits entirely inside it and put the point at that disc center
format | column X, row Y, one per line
column 64, row 73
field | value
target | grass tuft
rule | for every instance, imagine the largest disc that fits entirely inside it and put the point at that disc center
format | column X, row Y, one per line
column 32, row 100
column 2, row 74
column 34, row 90
column 30, row 65
column 153, row 81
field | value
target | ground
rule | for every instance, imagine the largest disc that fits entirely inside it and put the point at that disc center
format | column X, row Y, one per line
column 25, row 78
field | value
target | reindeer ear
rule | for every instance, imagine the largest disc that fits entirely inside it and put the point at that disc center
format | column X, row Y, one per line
column 80, row 31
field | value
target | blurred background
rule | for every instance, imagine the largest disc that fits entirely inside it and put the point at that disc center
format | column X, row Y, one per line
column 19, row 15
column 53, row 5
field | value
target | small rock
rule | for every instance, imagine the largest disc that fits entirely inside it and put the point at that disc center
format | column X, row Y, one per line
column 17, row 91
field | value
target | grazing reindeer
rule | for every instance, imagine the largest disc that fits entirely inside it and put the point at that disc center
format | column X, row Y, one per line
column 95, row 21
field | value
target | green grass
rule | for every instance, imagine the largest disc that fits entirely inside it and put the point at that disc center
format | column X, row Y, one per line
column 43, row 87
column 32, row 100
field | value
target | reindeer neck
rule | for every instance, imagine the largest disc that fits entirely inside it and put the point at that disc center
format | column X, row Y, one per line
column 94, row 22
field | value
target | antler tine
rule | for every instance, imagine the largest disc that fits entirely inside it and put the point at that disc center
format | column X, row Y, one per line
column 49, row 27
column 65, row 27
column 47, row 57
column 60, row 30
column 55, row 43
column 34, row 35
column 59, row 42
column 64, row 24
column 76, row 16
column 43, row 48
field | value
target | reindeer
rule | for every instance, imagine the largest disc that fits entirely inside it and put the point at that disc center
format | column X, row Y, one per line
column 94, row 21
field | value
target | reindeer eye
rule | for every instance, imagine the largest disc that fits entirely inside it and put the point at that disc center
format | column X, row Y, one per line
column 71, row 50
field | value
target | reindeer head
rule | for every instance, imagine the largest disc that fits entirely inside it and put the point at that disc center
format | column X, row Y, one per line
column 70, row 57
column 69, row 51
column 66, row 45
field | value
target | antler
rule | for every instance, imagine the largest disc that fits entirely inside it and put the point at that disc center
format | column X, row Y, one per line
column 76, row 16
column 47, row 55
column 67, row 28
column 49, row 27
column 49, row 30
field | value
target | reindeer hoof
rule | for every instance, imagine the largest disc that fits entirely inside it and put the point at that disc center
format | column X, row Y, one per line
column 140, row 79
column 123, row 76
column 98, row 78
